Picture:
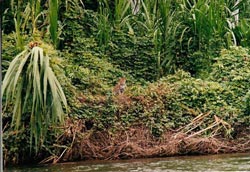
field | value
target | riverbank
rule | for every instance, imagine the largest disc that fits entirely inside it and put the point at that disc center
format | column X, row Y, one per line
column 77, row 142
column 103, row 80
column 138, row 142
column 175, row 115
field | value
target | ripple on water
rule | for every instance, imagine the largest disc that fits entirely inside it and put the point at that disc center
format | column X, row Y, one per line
column 220, row 163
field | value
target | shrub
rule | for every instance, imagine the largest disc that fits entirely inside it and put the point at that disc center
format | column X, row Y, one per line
column 232, row 71
column 134, row 54
column 169, row 103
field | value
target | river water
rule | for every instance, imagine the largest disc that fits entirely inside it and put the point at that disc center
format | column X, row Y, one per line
column 220, row 163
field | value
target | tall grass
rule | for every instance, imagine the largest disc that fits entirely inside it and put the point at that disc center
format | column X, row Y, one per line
column 112, row 17
column 53, row 20
column 158, row 19
column 242, row 28
column 121, row 12
column 26, row 16
column 206, row 19
column 183, row 32
column 16, row 9
column 167, row 38
column 242, row 32
column 104, row 24
column 37, row 97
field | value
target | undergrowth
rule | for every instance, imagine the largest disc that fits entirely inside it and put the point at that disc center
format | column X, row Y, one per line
column 198, row 107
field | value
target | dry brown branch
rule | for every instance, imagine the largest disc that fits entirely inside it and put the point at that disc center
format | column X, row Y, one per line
column 138, row 142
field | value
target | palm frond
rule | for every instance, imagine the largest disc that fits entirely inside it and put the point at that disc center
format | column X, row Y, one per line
column 32, row 86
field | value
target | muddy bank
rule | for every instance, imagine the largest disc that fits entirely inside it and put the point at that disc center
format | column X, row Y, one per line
column 138, row 142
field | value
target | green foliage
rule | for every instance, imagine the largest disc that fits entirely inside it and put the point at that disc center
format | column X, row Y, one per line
column 173, row 102
column 245, row 119
column 94, row 75
column 159, row 18
column 79, row 26
column 176, row 100
column 232, row 70
column 87, row 67
column 103, row 26
column 179, row 29
column 53, row 20
column 204, row 31
column 26, row 16
column 199, row 96
column 7, row 17
column 9, row 50
column 33, row 89
column 18, row 22
column 121, row 12
column 32, row 18
column 134, row 54
column 181, row 34
column 13, row 148
column 242, row 32
column 189, row 96
column 111, row 41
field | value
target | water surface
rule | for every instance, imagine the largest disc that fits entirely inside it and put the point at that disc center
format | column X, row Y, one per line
column 225, row 162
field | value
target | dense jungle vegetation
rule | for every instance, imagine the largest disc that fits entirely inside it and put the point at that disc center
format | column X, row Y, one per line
column 187, row 70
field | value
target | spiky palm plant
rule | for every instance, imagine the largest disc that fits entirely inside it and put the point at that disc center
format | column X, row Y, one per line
column 31, row 87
